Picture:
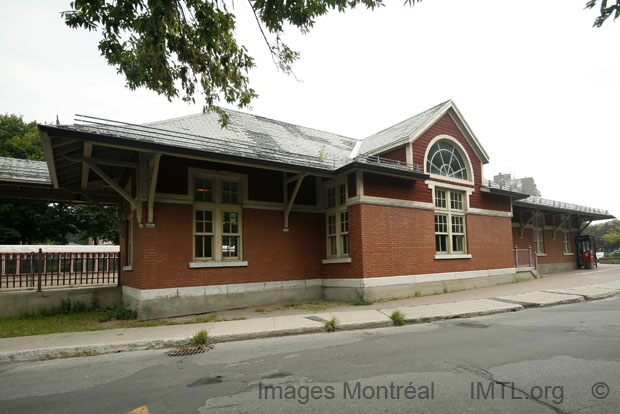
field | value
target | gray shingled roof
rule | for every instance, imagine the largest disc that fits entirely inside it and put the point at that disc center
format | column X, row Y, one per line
column 268, row 134
column 546, row 204
column 248, row 136
column 400, row 131
column 24, row 171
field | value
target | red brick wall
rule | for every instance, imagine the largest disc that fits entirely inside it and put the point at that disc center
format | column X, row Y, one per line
column 353, row 269
column 162, row 254
column 385, row 186
column 554, row 249
column 401, row 241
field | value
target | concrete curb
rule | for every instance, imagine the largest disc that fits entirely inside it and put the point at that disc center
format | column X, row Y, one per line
column 88, row 350
column 526, row 300
column 587, row 296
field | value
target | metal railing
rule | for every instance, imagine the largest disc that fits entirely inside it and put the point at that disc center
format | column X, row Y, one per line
column 543, row 202
column 388, row 162
column 28, row 270
column 525, row 257
column 502, row 186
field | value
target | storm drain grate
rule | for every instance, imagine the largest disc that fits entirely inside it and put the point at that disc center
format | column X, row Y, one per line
column 186, row 351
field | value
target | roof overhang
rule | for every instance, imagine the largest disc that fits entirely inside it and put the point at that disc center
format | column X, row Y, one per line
column 153, row 147
column 537, row 203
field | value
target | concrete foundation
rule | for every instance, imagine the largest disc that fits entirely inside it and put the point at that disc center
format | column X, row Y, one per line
column 162, row 303
column 372, row 293
column 179, row 305
column 15, row 303
column 556, row 267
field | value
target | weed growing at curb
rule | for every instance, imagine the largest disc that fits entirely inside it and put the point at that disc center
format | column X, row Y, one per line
column 200, row 338
column 398, row 318
column 360, row 301
column 330, row 325
column 122, row 313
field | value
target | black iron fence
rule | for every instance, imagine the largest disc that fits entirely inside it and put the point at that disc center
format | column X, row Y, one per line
column 24, row 270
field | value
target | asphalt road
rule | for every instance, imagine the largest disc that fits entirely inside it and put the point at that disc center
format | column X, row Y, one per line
column 564, row 359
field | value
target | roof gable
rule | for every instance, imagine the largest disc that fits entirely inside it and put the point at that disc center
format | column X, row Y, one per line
column 399, row 133
column 411, row 129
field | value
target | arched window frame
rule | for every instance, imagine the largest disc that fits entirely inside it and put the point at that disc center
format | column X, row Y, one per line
column 463, row 153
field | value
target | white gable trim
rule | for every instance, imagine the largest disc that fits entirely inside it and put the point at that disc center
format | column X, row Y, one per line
column 458, row 119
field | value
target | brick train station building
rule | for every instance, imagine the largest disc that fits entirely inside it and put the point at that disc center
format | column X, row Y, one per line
column 264, row 211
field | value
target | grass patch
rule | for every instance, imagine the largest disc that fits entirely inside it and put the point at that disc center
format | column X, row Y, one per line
column 54, row 321
column 520, row 279
column 312, row 306
column 48, row 324
column 417, row 294
column 360, row 301
column 398, row 318
column 330, row 325
column 200, row 338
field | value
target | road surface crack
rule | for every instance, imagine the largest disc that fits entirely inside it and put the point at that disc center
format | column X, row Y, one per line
column 488, row 375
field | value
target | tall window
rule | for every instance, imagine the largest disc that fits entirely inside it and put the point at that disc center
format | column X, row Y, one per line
column 566, row 237
column 444, row 159
column 449, row 222
column 337, row 220
column 538, row 225
column 217, row 218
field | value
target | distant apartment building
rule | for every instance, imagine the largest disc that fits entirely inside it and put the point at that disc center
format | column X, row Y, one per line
column 525, row 185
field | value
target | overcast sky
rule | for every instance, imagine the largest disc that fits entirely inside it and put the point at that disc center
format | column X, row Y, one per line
column 537, row 84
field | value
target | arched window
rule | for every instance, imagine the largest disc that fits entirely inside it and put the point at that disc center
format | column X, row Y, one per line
column 444, row 159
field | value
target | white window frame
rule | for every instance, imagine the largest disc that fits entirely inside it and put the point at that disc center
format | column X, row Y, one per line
column 445, row 206
column 461, row 149
column 339, row 212
column 566, row 244
column 218, row 208
column 538, row 233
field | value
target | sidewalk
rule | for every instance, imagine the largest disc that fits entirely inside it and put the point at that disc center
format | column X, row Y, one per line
column 560, row 288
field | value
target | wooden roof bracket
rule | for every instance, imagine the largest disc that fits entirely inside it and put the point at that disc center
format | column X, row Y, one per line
column 87, row 152
column 132, row 202
column 154, row 172
column 556, row 229
column 522, row 225
column 581, row 229
column 298, row 178
column 116, row 220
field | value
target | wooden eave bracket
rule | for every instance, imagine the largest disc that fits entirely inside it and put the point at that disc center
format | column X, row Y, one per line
column 298, row 178
column 87, row 152
column 132, row 202
column 116, row 220
column 154, row 172
column 581, row 229
column 556, row 229
column 523, row 225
